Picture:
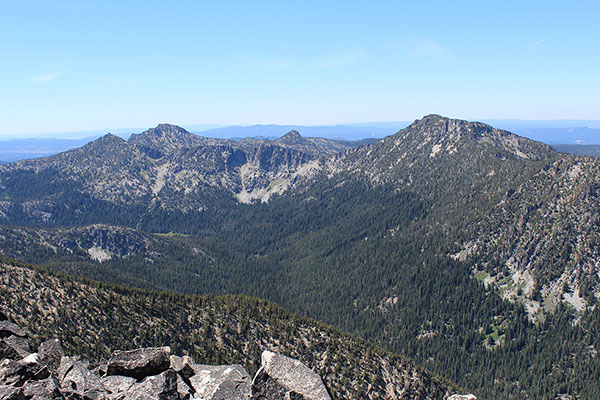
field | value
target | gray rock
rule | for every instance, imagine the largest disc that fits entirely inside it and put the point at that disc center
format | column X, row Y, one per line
column 184, row 389
column 162, row 387
column 281, row 377
column 117, row 385
column 8, row 329
column 182, row 365
column 220, row 382
column 16, row 373
column 19, row 345
column 462, row 397
column 95, row 395
column 66, row 363
column 266, row 388
column 77, row 381
column 50, row 353
column 139, row 363
column 41, row 390
column 11, row 393
column 100, row 368
column 8, row 352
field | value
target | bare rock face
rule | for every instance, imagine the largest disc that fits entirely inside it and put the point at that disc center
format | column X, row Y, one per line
column 9, row 351
column 50, row 353
column 462, row 397
column 265, row 388
column 162, row 387
column 14, row 343
column 18, row 345
column 16, row 373
column 220, row 382
column 42, row 390
column 79, row 382
column 184, row 366
column 281, row 377
column 7, row 329
column 139, row 363
column 148, row 374
column 184, row 389
column 11, row 393
column 117, row 385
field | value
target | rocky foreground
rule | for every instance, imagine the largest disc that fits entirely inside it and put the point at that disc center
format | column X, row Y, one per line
column 146, row 373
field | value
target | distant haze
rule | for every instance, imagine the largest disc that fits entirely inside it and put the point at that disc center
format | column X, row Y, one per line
column 83, row 65
column 553, row 132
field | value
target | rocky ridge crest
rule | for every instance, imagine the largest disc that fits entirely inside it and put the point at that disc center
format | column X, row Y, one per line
column 145, row 373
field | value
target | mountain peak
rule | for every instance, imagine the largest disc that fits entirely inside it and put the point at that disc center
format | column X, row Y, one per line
column 431, row 120
column 108, row 139
column 164, row 130
column 108, row 143
column 111, row 137
column 293, row 134
column 166, row 126
column 434, row 134
column 292, row 137
column 433, row 117
column 165, row 137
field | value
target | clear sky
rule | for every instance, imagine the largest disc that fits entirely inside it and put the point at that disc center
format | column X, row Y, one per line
column 80, row 65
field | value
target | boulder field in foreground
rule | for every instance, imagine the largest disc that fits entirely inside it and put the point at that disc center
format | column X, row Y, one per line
column 144, row 374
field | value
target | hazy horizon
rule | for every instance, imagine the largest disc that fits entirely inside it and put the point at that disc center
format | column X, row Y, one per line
column 198, row 128
column 80, row 66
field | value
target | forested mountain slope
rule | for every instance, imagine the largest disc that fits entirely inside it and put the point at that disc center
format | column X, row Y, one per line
column 541, row 243
column 529, row 212
column 93, row 319
column 384, row 241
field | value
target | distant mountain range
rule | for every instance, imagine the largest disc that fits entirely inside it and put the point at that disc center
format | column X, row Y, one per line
column 21, row 149
column 568, row 136
column 592, row 150
column 338, row 132
column 553, row 132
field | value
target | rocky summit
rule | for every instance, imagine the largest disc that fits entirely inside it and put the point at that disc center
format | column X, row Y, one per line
column 144, row 374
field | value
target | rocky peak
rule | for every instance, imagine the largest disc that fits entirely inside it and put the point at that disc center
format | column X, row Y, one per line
column 162, row 132
column 428, row 120
column 292, row 137
column 166, row 130
column 108, row 142
column 109, row 138
column 434, row 124
column 438, row 135
column 164, row 138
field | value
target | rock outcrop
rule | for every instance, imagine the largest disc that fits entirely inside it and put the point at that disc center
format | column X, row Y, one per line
column 140, row 362
column 281, row 377
column 143, row 374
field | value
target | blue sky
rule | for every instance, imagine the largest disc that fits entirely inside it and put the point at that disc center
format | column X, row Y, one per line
column 80, row 65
